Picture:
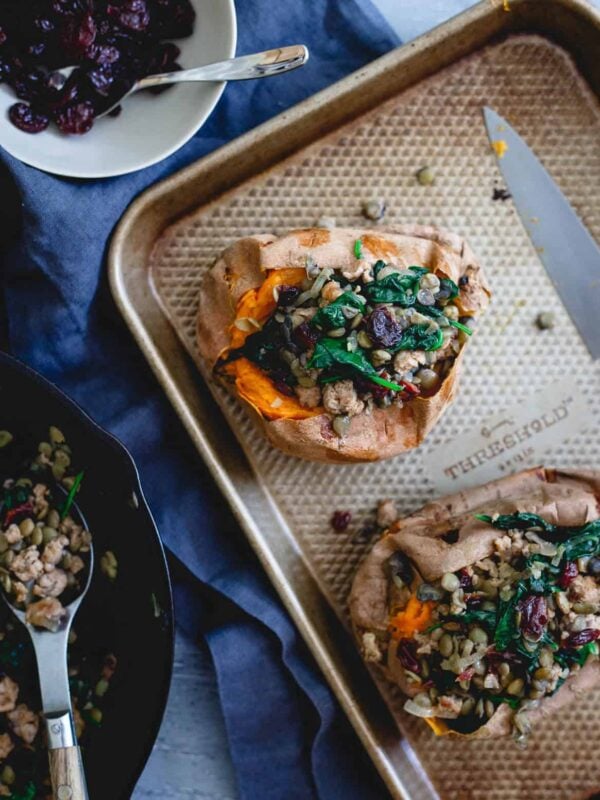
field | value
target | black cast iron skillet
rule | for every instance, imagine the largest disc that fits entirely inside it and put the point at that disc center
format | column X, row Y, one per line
column 132, row 617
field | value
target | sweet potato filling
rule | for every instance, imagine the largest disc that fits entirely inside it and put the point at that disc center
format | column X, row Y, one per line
column 506, row 631
column 340, row 342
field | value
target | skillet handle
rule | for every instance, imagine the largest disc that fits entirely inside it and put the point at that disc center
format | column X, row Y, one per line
column 66, row 765
column 66, row 774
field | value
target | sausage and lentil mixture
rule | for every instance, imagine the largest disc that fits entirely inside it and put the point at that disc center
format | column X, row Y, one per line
column 43, row 550
column 343, row 341
column 23, row 758
column 509, row 629
column 43, row 565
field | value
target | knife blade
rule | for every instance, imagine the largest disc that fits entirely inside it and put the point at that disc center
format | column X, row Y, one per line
column 566, row 248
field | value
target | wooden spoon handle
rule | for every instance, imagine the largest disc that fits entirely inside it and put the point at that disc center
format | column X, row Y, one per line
column 66, row 774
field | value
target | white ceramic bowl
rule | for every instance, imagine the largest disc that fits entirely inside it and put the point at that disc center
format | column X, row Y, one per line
column 149, row 127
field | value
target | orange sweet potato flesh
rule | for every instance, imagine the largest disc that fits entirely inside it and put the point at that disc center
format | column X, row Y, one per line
column 251, row 382
column 259, row 303
column 412, row 619
column 259, row 390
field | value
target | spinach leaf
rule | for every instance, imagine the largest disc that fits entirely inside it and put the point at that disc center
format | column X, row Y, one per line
column 263, row 346
column 419, row 337
column 506, row 629
column 585, row 542
column 542, row 585
column 334, row 353
column 496, row 699
column 449, row 286
column 29, row 792
column 419, row 271
column 394, row 288
column 567, row 658
column 435, row 312
column 71, row 496
column 520, row 521
column 377, row 267
column 332, row 316
column 576, row 541
column 475, row 615
column 358, row 248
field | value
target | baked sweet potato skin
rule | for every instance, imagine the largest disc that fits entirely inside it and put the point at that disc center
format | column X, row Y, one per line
column 565, row 497
column 385, row 432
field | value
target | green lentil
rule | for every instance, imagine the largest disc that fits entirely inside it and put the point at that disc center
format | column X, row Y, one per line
column 515, row 687
column 446, row 645
column 26, row 526
column 478, row 635
column 56, row 435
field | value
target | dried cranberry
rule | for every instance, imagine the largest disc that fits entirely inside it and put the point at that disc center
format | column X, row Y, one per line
column 287, row 294
column 465, row 580
column 582, row 637
column 76, row 119
column 365, row 386
column 176, row 18
column 534, row 615
column 383, row 328
column 305, row 336
column 76, row 36
column 101, row 78
column 407, row 653
column 466, row 675
column 26, row 119
column 568, row 574
column 340, row 520
column 163, row 58
column 103, row 54
column 131, row 14
column 39, row 36
column 13, row 513
column 411, row 388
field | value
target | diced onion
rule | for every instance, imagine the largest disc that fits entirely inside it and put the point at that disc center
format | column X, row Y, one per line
column 247, row 324
column 419, row 711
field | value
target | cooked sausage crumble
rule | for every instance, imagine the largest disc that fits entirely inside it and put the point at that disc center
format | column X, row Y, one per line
column 43, row 548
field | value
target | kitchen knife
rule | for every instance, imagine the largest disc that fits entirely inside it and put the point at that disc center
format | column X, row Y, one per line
column 566, row 248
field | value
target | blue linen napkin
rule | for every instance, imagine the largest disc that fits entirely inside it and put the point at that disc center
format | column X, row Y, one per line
column 289, row 739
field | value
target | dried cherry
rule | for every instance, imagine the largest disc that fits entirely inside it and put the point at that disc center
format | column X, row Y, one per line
column 568, row 575
column 582, row 637
column 534, row 615
column 112, row 43
column 383, row 328
column 340, row 520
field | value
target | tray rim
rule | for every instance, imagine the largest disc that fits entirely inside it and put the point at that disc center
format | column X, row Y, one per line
column 452, row 33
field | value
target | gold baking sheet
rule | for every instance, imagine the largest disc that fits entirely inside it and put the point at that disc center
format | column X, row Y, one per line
column 174, row 232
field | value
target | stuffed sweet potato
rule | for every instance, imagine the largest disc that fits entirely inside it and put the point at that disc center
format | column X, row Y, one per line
column 346, row 343
column 484, row 607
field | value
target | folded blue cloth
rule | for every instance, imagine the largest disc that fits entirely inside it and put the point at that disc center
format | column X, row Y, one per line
column 289, row 740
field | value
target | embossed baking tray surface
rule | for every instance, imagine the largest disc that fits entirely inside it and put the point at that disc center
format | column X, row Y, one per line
column 366, row 137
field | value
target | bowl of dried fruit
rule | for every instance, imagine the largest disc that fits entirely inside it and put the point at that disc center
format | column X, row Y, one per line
column 121, row 644
column 53, row 122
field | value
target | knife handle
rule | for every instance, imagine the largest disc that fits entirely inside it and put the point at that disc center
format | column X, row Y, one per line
column 66, row 774
column 66, row 766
